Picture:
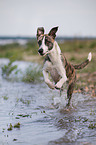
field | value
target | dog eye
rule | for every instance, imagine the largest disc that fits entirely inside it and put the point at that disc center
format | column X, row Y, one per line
column 39, row 42
column 46, row 42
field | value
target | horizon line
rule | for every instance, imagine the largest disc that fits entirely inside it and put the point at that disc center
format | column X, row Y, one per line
column 33, row 37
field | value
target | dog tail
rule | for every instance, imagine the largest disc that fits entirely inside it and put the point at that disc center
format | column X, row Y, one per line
column 82, row 65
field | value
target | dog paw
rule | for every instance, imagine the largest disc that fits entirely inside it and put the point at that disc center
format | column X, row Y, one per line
column 57, row 88
column 51, row 86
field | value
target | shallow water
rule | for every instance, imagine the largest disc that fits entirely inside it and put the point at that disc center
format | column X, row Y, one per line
column 42, row 121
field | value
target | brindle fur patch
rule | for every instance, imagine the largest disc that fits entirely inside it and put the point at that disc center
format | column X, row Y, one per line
column 40, row 40
column 49, row 42
column 40, row 31
column 82, row 65
column 71, row 75
column 47, row 59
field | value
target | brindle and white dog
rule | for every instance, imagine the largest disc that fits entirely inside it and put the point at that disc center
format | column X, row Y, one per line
column 56, row 64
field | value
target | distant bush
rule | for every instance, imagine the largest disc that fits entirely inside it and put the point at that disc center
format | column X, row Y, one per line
column 81, row 46
column 9, row 46
column 93, row 44
column 72, row 58
column 78, row 45
column 7, row 69
column 32, row 47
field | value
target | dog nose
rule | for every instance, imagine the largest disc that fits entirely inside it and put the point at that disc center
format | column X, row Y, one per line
column 40, row 51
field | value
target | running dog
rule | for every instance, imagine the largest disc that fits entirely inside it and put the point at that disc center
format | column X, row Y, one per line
column 56, row 64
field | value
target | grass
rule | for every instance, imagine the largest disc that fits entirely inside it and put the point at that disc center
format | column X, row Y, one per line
column 78, row 46
column 17, row 51
column 92, row 125
column 11, row 50
column 17, row 125
column 5, row 97
column 7, row 69
column 32, row 74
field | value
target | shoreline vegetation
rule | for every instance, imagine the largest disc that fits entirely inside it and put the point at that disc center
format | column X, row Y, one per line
column 75, row 50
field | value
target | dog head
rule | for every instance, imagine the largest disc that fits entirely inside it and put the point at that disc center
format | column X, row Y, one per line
column 45, row 41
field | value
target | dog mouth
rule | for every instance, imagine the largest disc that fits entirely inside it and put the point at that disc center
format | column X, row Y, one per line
column 42, row 54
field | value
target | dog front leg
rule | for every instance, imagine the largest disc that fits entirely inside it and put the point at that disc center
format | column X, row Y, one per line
column 60, row 83
column 47, row 80
column 62, row 73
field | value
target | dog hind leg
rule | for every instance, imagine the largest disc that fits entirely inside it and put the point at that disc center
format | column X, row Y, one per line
column 70, row 90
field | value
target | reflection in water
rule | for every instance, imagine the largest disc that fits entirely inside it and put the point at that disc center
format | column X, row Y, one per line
column 42, row 121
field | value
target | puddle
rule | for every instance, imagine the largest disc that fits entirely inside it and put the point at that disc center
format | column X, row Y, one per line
column 30, row 105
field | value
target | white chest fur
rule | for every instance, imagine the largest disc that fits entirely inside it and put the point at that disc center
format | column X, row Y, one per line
column 55, row 57
column 55, row 68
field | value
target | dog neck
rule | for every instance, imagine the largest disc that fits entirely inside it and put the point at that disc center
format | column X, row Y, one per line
column 55, row 53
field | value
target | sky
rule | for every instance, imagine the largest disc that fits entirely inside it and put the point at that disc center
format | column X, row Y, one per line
column 23, row 17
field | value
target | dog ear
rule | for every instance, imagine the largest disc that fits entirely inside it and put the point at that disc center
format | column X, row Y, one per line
column 52, row 32
column 40, row 31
